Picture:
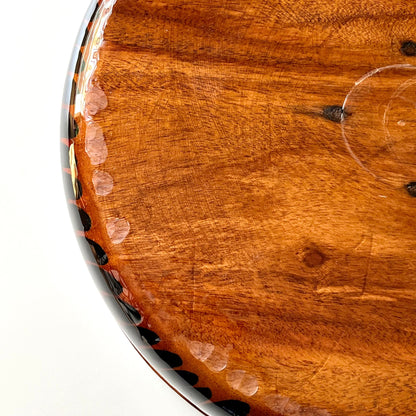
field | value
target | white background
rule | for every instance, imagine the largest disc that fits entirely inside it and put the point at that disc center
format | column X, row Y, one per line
column 61, row 352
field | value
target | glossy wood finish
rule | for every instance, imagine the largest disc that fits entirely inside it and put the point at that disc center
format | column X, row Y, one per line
column 248, row 180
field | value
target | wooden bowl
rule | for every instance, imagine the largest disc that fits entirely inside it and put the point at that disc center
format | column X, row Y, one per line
column 243, row 174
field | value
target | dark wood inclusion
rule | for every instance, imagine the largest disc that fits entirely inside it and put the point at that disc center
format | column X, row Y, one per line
column 241, row 177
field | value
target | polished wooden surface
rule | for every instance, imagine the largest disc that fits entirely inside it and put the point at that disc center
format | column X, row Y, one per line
column 248, row 168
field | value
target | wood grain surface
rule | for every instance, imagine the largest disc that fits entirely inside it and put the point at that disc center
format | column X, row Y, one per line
column 249, row 169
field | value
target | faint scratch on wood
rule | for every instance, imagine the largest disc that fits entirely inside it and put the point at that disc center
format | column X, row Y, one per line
column 376, row 298
column 324, row 363
column 368, row 265
column 360, row 243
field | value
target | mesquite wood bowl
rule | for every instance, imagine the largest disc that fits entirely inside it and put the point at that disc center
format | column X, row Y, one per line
column 243, row 178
